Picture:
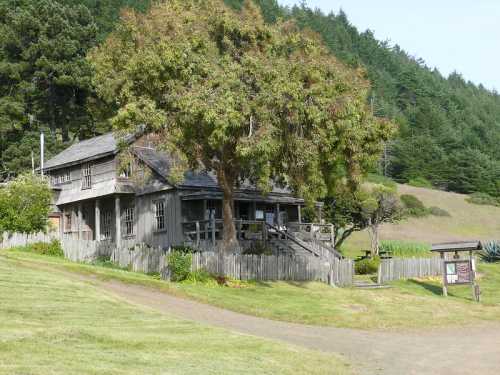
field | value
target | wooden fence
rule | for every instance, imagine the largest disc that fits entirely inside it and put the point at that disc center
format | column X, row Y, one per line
column 142, row 258
column 10, row 240
column 276, row 267
column 401, row 268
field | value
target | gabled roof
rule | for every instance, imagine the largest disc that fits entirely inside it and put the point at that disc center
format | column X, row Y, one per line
column 89, row 149
column 161, row 164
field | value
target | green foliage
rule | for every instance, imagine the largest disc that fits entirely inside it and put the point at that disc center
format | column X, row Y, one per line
column 491, row 252
column 420, row 182
column 367, row 266
column 381, row 180
column 25, row 205
column 406, row 249
column 45, row 79
column 201, row 276
column 436, row 211
column 244, row 99
column 52, row 249
column 413, row 206
column 483, row 199
column 179, row 263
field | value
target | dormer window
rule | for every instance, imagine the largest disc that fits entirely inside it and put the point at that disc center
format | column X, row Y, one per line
column 86, row 176
column 126, row 170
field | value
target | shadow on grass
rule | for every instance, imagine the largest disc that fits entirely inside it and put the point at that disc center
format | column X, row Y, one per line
column 433, row 288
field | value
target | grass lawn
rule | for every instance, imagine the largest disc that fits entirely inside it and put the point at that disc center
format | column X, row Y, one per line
column 51, row 324
column 408, row 304
column 467, row 222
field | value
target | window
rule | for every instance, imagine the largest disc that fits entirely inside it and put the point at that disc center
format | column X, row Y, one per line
column 61, row 177
column 128, row 222
column 67, row 222
column 159, row 215
column 86, row 176
column 126, row 171
column 106, row 225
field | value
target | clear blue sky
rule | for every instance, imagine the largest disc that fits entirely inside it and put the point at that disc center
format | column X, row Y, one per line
column 461, row 35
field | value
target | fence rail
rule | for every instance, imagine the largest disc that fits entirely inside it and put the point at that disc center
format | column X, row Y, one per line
column 401, row 268
column 142, row 258
column 10, row 240
column 276, row 267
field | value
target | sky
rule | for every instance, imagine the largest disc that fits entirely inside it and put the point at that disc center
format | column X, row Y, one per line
column 451, row 35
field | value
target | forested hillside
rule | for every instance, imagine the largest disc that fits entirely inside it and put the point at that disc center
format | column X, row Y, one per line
column 449, row 128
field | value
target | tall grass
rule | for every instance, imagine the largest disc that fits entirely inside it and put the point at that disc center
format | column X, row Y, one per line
column 406, row 249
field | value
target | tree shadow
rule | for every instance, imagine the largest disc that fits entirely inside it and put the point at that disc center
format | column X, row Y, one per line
column 433, row 288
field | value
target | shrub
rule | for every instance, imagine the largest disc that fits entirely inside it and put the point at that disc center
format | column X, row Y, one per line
column 53, row 248
column 413, row 206
column 436, row 211
column 405, row 249
column 179, row 263
column 483, row 199
column 201, row 276
column 367, row 266
column 491, row 252
column 420, row 182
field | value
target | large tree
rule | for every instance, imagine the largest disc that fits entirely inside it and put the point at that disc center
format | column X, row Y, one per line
column 243, row 99
column 45, row 79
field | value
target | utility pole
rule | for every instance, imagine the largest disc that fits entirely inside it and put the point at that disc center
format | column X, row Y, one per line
column 42, row 146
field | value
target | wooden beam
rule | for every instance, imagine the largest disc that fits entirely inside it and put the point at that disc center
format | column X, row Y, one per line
column 97, row 220
column 80, row 220
column 118, row 224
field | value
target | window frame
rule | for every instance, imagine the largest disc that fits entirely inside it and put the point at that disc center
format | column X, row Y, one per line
column 160, row 218
column 86, row 176
column 128, row 222
column 106, row 225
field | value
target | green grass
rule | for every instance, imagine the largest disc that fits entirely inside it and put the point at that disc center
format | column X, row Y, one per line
column 408, row 304
column 406, row 249
column 51, row 324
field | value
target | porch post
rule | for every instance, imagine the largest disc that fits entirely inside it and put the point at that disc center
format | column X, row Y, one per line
column 278, row 218
column 97, row 220
column 118, row 229
column 254, row 208
column 299, row 212
column 80, row 219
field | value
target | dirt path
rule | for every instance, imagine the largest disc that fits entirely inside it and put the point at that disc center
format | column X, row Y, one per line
column 457, row 351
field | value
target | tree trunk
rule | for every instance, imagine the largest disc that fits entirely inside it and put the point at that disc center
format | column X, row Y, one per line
column 229, row 231
column 374, row 235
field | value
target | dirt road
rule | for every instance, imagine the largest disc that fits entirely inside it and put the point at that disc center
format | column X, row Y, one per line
column 448, row 351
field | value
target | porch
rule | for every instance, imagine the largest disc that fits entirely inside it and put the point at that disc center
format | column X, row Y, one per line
column 109, row 218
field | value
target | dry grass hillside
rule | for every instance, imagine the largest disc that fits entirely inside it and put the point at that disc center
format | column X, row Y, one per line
column 467, row 221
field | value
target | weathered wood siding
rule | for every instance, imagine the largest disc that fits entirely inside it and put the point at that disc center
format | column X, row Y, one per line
column 401, row 268
column 145, row 222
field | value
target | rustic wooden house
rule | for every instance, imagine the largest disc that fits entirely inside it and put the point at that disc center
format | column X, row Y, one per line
column 98, row 196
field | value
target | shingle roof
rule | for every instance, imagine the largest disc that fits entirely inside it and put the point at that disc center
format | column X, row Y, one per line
column 88, row 149
column 161, row 164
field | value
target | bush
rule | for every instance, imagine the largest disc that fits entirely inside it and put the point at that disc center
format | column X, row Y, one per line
column 406, row 249
column 436, row 211
column 201, row 276
column 491, row 252
column 179, row 263
column 367, row 266
column 52, row 249
column 483, row 199
column 420, row 182
column 413, row 206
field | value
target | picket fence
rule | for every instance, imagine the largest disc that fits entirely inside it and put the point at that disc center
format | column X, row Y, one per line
column 276, row 267
column 408, row 268
column 142, row 258
column 10, row 240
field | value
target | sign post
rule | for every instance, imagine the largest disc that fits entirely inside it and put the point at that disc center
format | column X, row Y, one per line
column 459, row 271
